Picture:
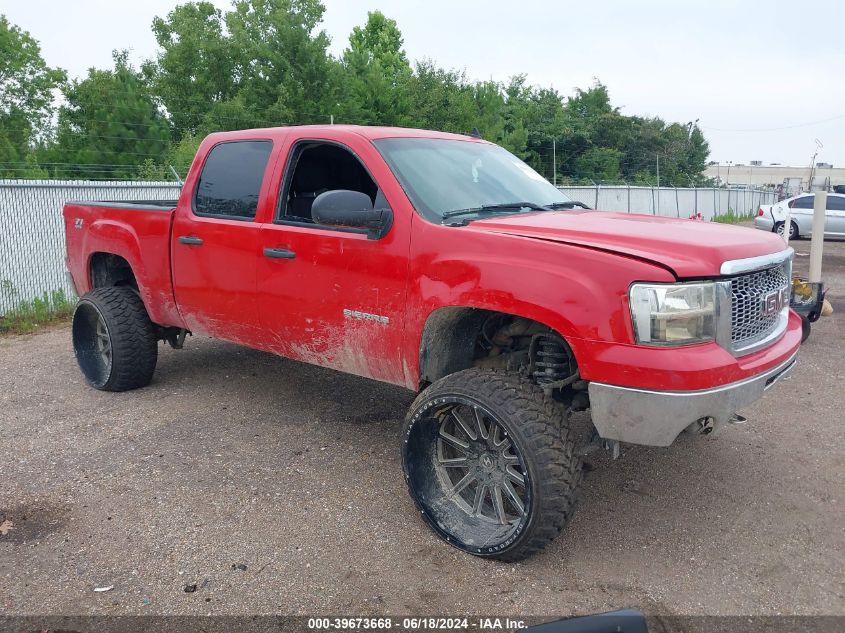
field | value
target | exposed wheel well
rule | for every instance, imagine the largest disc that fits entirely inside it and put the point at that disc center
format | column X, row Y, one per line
column 457, row 338
column 108, row 269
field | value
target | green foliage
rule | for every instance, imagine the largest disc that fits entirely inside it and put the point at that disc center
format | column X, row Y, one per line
column 108, row 125
column 28, row 316
column 26, row 86
column 194, row 69
column 266, row 63
column 378, row 73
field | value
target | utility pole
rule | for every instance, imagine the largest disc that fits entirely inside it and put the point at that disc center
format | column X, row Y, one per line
column 813, row 165
column 554, row 162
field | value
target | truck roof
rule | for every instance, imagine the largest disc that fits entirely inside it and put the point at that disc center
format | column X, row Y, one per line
column 370, row 132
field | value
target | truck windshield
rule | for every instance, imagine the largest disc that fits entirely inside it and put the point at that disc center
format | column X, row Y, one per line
column 447, row 178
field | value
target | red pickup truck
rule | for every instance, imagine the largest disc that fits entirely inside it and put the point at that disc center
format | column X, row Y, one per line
column 444, row 264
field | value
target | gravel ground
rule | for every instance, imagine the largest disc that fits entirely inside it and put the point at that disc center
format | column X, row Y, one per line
column 275, row 487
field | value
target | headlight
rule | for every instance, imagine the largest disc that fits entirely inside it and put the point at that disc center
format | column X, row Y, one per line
column 673, row 314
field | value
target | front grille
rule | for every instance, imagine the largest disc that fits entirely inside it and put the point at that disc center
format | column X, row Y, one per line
column 748, row 322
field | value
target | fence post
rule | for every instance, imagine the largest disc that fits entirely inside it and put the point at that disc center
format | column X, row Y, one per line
column 677, row 203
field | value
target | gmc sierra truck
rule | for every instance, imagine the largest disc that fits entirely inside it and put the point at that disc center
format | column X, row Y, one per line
column 444, row 264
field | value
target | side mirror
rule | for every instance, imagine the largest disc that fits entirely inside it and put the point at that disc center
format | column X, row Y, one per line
column 351, row 209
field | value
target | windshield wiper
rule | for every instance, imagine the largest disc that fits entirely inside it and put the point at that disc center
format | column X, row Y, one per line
column 569, row 204
column 493, row 208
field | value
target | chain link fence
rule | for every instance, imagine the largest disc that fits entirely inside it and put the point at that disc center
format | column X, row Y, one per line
column 32, row 238
column 32, row 250
column 674, row 202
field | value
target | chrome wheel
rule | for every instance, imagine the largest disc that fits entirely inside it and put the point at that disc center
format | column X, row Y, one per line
column 467, row 473
column 479, row 466
column 490, row 463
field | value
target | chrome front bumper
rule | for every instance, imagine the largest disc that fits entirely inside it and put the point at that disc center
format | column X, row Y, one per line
column 656, row 418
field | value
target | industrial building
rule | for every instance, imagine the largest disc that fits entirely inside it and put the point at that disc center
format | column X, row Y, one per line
column 791, row 179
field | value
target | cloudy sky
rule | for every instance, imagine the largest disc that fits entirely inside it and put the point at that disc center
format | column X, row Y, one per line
column 764, row 79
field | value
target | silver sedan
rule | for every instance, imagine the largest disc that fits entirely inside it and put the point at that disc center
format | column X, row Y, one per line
column 772, row 217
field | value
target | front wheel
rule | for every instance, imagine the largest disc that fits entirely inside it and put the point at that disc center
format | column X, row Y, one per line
column 114, row 340
column 490, row 463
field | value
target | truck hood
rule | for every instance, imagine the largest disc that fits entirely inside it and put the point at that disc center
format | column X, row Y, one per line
column 689, row 248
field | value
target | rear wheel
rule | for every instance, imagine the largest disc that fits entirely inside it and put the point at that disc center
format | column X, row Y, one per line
column 114, row 340
column 490, row 464
column 793, row 230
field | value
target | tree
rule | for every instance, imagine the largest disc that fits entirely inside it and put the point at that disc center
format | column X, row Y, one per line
column 109, row 125
column 26, row 99
column 283, row 70
column 598, row 164
column 378, row 71
column 194, row 71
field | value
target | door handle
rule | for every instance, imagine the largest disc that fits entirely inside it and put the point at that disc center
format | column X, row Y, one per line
column 279, row 253
column 190, row 240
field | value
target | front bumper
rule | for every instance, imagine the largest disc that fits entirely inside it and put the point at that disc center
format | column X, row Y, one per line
column 656, row 418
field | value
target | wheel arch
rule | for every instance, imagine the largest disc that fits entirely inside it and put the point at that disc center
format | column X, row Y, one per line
column 449, row 336
column 113, row 269
column 109, row 269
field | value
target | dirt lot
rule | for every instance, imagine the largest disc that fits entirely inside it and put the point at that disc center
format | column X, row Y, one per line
column 238, row 458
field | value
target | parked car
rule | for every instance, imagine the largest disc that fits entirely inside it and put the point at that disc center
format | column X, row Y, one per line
column 443, row 264
column 772, row 217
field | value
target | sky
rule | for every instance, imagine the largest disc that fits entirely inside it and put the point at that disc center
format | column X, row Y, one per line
column 765, row 80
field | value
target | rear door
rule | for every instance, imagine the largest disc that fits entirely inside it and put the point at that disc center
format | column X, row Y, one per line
column 802, row 213
column 215, row 242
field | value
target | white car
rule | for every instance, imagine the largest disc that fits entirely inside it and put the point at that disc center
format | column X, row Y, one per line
column 772, row 217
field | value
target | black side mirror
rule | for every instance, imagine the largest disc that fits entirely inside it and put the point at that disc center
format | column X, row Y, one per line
column 351, row 209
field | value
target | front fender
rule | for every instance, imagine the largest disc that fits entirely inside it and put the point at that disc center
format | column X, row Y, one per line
column 580, row 293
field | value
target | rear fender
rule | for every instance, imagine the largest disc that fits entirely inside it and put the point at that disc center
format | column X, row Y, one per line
column 154, row 285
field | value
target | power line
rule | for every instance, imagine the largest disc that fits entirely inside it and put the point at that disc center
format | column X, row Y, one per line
column 775, row 129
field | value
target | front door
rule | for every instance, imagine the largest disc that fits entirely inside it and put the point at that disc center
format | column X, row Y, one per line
column 327, row 295
column 215, row 243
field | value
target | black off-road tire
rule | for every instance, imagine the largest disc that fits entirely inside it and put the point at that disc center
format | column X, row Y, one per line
column 539, row 429
column 114, row 340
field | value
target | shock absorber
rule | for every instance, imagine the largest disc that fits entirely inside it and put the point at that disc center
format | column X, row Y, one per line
column 550, row 361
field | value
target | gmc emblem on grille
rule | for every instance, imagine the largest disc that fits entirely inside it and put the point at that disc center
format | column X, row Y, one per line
column 774, row 302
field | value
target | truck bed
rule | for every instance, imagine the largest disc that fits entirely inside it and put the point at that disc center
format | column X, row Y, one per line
column 136, row 205
column 139, row 232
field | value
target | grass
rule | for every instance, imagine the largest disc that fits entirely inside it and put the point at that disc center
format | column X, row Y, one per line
column 732, row 217
column 28, row 316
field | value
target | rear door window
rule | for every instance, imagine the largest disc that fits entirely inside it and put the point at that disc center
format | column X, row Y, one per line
column 231, row 178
